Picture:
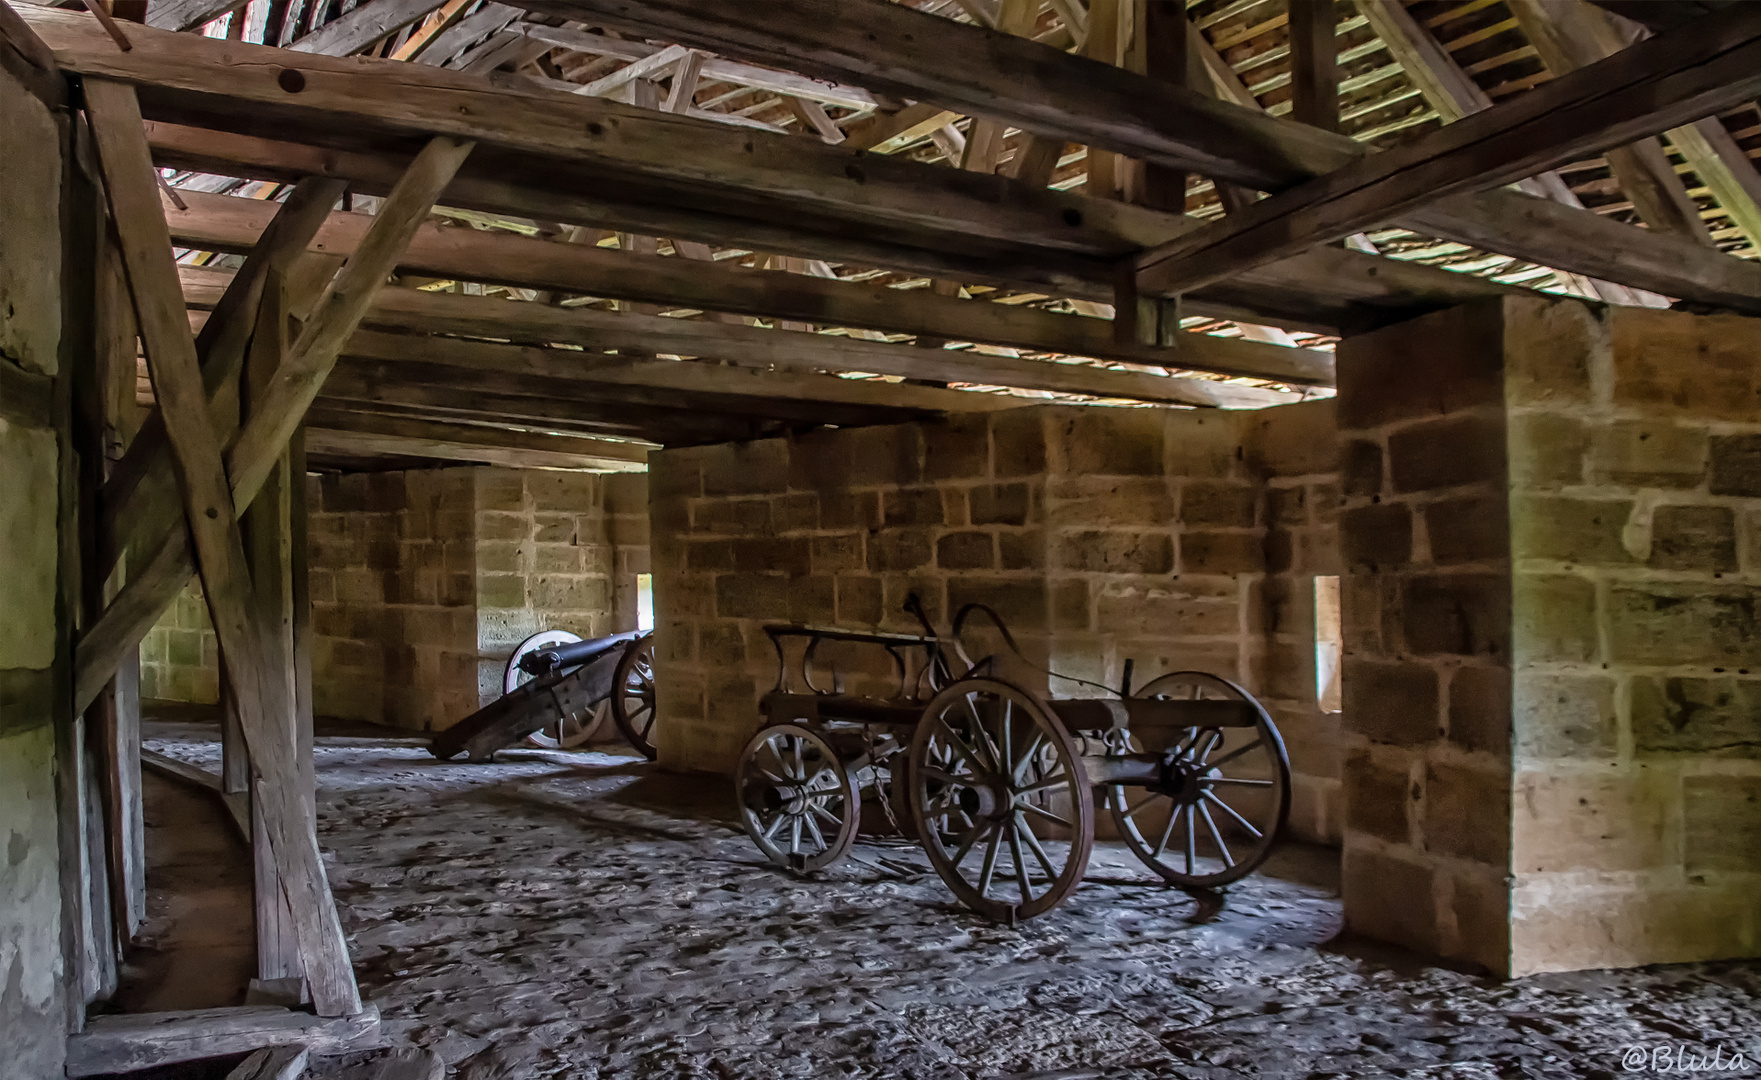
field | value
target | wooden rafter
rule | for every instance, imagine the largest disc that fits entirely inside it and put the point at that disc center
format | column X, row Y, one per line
column 1040, row 89
column 1651, row 87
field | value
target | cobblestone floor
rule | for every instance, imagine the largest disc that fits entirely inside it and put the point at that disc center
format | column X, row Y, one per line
column 576, row 915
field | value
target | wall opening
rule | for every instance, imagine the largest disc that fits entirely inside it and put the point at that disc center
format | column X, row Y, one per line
column 644, row 601
column 1328, row 644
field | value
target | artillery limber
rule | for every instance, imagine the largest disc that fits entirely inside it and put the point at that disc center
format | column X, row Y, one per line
column 1002, row 785
column 558, row 689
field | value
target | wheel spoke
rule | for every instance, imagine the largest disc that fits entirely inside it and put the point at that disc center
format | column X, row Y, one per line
column 813, row 827
column 1131, row 811
column 958, row 748
column 772, row 777
column 1043, row 812
column 1210, row 823
column 977, row 833
column 990, row 862
column 770, row 830
column 1058, row 779
column 1039, row 852
column 982, row 739
column 1007, row 756
column 1230, row 810
column 948, row 778
column 1021, row 763
column 1232, row 755
column 1236, row 780
column 830, row 818
column 1020, row 863
column 1191, row 840
column 1162, row 844
column 794, row 835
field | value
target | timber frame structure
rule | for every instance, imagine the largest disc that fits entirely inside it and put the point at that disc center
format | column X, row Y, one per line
column 557, row 233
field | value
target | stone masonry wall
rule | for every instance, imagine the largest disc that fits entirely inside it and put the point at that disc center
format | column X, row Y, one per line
column 1551, row 534
column 1635, row 441
column 1098, row 534
column 1424, row 537
column 180, row 656
column 544, row 561
column 422, row 583
column 392, row 558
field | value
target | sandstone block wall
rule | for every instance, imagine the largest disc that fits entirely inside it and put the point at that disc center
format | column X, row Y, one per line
column 1098, row 534
column 394, row 604
column 1550, row 534
column 180, row 656
column 547, row 558
column 1424, row 538
column 1635, row 448
column 422, row 582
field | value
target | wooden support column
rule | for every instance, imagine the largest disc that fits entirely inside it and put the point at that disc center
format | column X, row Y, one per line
column 268, row 535
column 211, row 518
column 1314, row 71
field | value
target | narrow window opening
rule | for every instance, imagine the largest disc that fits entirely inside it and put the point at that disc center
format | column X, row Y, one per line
column 1328, row 644
column 644, row 601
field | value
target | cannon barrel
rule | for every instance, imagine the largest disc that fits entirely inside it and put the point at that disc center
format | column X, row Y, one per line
column 574, row 654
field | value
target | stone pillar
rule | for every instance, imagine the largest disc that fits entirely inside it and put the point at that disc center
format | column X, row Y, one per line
column 1552, row 533
column 1426, row 594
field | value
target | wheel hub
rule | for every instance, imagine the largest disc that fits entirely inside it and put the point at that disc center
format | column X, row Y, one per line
column 1180, row 779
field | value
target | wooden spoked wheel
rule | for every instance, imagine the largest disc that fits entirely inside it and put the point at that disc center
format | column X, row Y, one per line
column 1001, row 799
column 632, row 695
column 1222, row 798
column 572, row 731
column 798, row 802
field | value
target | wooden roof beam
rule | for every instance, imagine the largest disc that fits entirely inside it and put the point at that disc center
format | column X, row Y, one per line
column 333, row 430
column 223, row 223
column 1655, row 85
column 895, row 50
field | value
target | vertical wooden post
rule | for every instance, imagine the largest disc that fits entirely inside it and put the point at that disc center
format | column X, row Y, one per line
column 1166, row 56
column 1314, row 69
column 267, row 527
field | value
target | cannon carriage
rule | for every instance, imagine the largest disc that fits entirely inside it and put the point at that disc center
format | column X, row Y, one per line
column 1003, row 785
column 558, row 689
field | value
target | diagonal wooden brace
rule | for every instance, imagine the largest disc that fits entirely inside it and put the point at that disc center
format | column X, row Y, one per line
column 336, row 317
column 212, row 503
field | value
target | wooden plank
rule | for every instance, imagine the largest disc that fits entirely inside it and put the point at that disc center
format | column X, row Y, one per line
column 272, row 1063
column 715, row 69
column 1575, row 36
column 1569, row 35
column 210, row 515
column 267, row 529
column 1651, row 87
column 218, row 222
column 893, row 49
column 533, row 323
column 1313, row 292
column 238, row 804
column 884, row 133
column 178, row 15
column 1449, row 90
column 365, row 26
column 128, row 1043
column 1314, row 69
column 137, row 500
column 336, row 431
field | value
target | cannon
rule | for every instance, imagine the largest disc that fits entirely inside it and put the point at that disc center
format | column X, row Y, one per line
column 1002, row 785
column 556, row 689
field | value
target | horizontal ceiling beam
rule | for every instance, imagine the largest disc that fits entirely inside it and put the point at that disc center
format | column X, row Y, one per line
column 223, row 223
column 894, row 49
column 1651, row 87
column 333, row 430
column 412, row 311
column 664, row 175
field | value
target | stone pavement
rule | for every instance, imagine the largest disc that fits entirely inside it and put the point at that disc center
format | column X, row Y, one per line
column 579, row 916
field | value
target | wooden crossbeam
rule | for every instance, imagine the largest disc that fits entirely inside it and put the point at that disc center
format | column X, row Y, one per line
column 210, row 516
column 1643, row 170
column 664, row 175
column 223, row 223
column 1653, row 86
column 138, row 498
column 189, row 14
column 331, row 430
column 116, row 1044
column 365, row 26
column 893, row 49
